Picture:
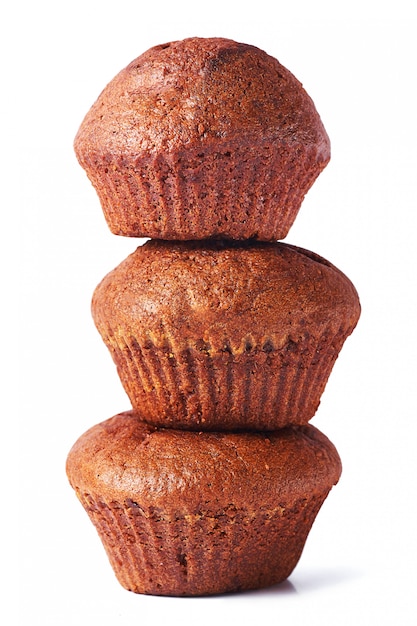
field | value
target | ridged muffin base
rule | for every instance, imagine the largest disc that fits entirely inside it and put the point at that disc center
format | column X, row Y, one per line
column 228, row 550
column 252, row 389
column 241, row 192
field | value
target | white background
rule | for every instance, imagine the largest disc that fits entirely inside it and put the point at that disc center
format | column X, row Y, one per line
column 357, row 61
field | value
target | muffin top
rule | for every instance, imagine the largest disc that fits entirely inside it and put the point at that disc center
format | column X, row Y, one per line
column 124, row 458
column 198, row 92
column 228, row 295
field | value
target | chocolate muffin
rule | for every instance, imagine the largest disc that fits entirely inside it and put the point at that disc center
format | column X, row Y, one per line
column 203, row 138
column 216, row 335
column 186, row 513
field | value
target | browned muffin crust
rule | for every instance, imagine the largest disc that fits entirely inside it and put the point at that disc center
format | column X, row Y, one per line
column 183, row 513
column 202, row 138
column 210, row 335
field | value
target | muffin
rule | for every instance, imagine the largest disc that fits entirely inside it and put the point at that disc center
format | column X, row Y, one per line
column 224, row 335
column 185, row 513
column 202, row 138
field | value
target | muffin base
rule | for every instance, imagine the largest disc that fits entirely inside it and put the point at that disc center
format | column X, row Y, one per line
column 232, row 549
column 241, row 192
column 249, row 389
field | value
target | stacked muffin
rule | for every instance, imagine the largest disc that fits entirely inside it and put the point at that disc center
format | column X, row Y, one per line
column 223, row 337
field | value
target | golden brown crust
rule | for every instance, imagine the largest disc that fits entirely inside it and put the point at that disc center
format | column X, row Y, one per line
column 178, row 471
column 170, row 97
column 184, row 513
column 222, row 335
column 203, row 138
